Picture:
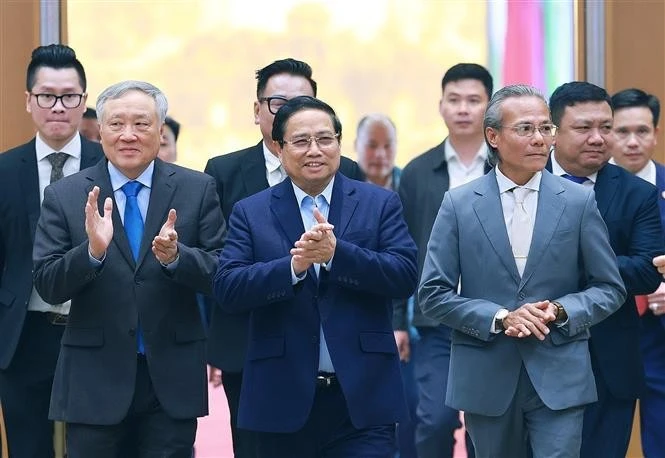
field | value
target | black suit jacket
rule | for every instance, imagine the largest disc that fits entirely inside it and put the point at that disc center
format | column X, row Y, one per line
column 423, row 183
column 95, row 375
column 238, row 175
column 19, row 211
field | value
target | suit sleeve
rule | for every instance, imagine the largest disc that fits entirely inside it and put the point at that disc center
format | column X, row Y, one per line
column 437, row 293
column 390, row 269
column 197, row 264
column 603, row 290
column 61, row 270
column 646, row 242
column 400, row 306
column 242, row 283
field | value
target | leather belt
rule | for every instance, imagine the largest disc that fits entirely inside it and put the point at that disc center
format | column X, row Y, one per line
column 56, row 318
column 326, row 379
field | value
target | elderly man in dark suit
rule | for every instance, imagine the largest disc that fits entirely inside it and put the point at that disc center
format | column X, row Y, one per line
column 241, row 174
column 629, row 206
column 130, row 242
column 317, row 260
column 519, row 265
column 30, row 329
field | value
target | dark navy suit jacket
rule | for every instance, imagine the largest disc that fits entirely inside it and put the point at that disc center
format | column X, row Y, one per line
column 238, row 175
column 629, row 207
column 374, row 262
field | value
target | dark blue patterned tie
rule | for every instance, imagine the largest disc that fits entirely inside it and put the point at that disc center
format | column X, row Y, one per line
column 134, row 230
column 574, row 179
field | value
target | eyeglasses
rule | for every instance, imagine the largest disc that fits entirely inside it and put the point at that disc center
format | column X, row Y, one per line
column 325, row 143
column 527, row 130
column 67, row 100
column 274, row 103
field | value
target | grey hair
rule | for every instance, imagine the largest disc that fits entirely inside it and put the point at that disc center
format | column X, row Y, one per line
column 119, row 89
column 493, row 114
column 373, row 118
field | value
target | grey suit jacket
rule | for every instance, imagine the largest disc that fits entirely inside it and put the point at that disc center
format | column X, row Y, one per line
column 96, row 370
column 570, row 260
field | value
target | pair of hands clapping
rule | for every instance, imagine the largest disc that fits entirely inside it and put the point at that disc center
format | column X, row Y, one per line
column 99, row 228
column 316, row 246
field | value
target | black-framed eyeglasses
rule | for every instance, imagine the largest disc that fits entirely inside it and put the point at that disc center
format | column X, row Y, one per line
column 325, row 142
column 49, row 100
column 527, row 130
column 274, row 103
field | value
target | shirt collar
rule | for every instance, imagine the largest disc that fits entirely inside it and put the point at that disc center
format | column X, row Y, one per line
column 326, row 193
column 506, row 184
column 558, row 170
column 648, row 172
column 272, row 161
column 451, row 154
column 118, row 179
column 73, row 148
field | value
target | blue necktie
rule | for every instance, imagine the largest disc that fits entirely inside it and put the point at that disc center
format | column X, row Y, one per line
column 574, row 179
column 308, row 204
column 134, row 230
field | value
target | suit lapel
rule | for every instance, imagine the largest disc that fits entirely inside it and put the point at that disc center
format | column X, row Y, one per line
column 550, row 209
column 29, row 183
column 342, row 204
column 253, row 170
column 605, row 188
column 487, row 207
column 161, row 195
column 98, row 175
column 286, row 211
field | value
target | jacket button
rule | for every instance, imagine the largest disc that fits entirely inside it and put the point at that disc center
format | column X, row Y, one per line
column 132, row 332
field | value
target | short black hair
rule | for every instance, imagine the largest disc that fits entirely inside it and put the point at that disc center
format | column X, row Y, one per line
column 54, row 56
column 570, row 94
column 630, row 98
column 173, row 125
column 291, row 66
column 90, row 113
column 469, row 72
column 296, row 104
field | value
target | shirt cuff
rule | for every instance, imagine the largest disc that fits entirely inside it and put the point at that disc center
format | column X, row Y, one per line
column 296, row 278
column 171, row 266
column 328, row 265
column 493, row 328
column 94, row 261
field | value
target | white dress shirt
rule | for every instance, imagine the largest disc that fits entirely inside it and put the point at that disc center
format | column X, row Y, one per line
column 274, row 171
column 559, row 171
column 71, row 166
column 458, row 172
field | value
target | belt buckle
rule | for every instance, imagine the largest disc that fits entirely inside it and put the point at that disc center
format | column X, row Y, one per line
column 57, row 319
column 325, row 381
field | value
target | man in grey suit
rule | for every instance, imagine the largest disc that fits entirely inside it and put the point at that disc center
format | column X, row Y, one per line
column 130, row 242
column 532, row 260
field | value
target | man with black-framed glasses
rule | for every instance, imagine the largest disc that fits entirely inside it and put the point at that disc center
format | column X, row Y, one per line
column 241, row 174
column 31, row 329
